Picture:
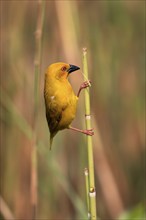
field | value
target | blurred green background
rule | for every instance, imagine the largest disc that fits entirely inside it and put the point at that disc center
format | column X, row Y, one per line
column 114, row 34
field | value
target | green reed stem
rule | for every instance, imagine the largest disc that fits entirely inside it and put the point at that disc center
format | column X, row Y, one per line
column 37, row 67
column 91, row 190
column 86, row 172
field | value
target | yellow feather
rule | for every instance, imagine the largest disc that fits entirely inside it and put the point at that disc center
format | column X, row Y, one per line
column 60, row 100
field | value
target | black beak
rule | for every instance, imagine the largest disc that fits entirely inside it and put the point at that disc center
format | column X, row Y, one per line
column 72, row 68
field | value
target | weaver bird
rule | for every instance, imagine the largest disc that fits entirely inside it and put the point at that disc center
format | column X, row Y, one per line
column 60, row 99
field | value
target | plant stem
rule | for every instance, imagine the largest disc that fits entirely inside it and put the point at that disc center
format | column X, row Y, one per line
column 91, row 190
column 86, row 172
column 37, row 66
column 5, row 210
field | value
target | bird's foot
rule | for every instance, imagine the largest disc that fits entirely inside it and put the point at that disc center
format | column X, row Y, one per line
column 83, row 86
column 89, row 132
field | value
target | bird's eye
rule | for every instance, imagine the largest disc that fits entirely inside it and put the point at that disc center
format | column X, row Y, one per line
column 64, row 68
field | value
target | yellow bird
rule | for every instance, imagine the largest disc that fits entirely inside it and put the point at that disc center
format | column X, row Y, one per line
column 60, row 99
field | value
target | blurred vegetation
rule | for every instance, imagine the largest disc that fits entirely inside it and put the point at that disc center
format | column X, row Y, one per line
column 137, row 212
column 114, row 33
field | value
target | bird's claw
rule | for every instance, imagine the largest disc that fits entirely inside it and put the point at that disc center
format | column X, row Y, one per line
column 89, row 132
column 85, row 84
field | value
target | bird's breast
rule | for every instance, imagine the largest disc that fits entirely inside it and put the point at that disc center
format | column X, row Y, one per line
column 60, row 97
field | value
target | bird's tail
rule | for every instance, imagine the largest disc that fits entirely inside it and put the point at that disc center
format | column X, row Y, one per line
column 51, row 139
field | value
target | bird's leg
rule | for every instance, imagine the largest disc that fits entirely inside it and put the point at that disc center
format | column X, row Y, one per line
column 87, row 132
column 83, row 86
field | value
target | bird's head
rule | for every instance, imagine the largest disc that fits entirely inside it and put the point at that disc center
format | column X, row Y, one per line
column 61, row 70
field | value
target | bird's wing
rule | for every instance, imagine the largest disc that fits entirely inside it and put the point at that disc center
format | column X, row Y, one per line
column 54, row 115
column 53, row 119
